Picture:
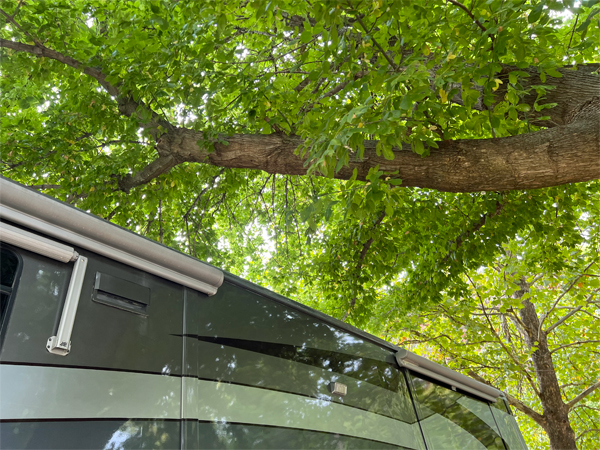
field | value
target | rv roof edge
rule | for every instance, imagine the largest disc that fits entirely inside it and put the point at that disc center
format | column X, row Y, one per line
column 61, row 221
column 248, row 285
column 412, row 361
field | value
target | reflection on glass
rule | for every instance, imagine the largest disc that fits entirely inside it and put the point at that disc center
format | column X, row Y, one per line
column 91, row 434
column 142, row 434
column 452, row 420
column 232, row 436
column 508, row 426
column 373, row 385
column 246, row 342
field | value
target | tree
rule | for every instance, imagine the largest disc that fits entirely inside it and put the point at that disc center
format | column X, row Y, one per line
column 528, row 324
column 245, row 85
column 333, row 151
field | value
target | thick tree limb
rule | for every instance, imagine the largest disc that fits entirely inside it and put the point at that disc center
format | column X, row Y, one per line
column 569, row 152
column 566, row 154
column 583, row 395
column 156, row 168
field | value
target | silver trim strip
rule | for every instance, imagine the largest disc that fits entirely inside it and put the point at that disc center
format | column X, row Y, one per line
column 36, row 244
column 61, row 221
column 438, row 372
column 61, row 343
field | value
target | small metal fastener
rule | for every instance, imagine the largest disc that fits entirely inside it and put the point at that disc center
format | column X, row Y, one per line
column 338, row 388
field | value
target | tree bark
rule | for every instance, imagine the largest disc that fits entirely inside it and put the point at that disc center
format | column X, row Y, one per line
column 563, row 154
column 556, row 411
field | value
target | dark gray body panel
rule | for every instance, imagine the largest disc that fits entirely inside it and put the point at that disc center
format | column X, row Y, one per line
column 103, row 337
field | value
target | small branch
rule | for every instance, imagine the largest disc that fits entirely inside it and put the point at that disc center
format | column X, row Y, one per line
column 572, row 33
column 40, row 187
column 572, row 344
column 342, row 85
column 499, row 339
column 562, row 295
column 476, row 227
column 537, row 417
column 470, row 14
column 385, row 55
column 40, row 50
column 583, row 433
column 575, row 311
column 12, row 20
column 361, row 257
column 583, row 395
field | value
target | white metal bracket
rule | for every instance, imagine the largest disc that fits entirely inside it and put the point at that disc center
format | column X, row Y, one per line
column 61, row 343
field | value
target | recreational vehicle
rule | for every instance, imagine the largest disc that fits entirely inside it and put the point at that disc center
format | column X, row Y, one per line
column 112, row 341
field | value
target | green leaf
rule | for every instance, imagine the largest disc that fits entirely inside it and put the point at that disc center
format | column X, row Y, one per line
column 306, row 36
column 536, row 12
column 553, row 72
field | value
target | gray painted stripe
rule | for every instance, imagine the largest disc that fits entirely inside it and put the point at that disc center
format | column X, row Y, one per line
column 30, row 392
column 442, row 434
column 213, row 401
column 38, row 392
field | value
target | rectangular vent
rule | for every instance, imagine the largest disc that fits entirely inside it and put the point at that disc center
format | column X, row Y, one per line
column 121, row 294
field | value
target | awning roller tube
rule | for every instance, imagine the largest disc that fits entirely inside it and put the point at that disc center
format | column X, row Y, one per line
column 36, row 244
column 448, row 376
column 55, row 219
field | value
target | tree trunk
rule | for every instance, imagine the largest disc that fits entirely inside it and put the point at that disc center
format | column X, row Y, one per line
column 556, row 412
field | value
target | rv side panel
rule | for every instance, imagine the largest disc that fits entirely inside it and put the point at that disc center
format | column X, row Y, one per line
column 121, row 382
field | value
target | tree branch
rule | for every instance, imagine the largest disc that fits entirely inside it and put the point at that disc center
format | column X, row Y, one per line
column 12, row 20
column 583, row 433
column 156, row 168
column 575, row 311
column 562, row 295
column 499, row 339
column 361, row 257
column 584, row 394
column 127, row 105
column 470, row 14
column 537, row 417
column 572, row 344
column 40, row 50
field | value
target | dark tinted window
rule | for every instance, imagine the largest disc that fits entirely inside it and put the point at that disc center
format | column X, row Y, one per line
column 250, row 340
column 451, row 420
column 9, row 263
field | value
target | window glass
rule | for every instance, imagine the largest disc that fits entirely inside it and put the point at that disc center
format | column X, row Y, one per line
column 452, row 420
column 508, row 426
column 253, row 350
column 9, row 263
